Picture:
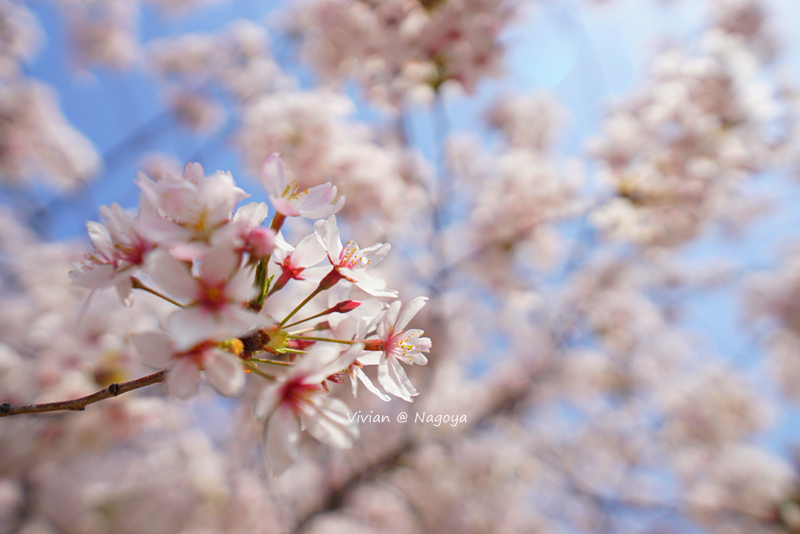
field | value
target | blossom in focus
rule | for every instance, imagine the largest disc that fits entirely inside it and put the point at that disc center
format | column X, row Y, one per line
column 221, row 369
column 355, row 326
column 298, row 401
column 313, row 203
column 297, row 263
column 351, row 263
column 246, row 234
column 401, row 345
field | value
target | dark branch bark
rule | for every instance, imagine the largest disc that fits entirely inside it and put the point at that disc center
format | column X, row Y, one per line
column 80, row 404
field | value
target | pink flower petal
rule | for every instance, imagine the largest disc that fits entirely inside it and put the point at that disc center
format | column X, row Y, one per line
column 281, row 434
column 273, row 177
column 333, row 424
column 224, row 372
column 155, row 349
column 411, row 309
column 183, row 378
column 173, row 276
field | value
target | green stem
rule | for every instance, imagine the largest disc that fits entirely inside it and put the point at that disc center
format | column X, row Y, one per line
column 261, row 281
column 137, row 284
column 329, row 340
column 301, row 321
column 254, row 368
column 272, row 362
column 303, row 331
column 327, row 282
column 300, row 306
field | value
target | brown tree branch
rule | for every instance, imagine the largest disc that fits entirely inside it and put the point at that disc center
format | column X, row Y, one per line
column 80, row 404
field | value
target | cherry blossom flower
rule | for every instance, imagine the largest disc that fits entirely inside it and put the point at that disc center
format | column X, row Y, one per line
column 119, row 251
column 313, row 203
column 351, row 263
column 246, row 234
column 217, row 297
column 401, row 345
column 221, row 368
column 298, row 401
column 297, row 263
column 196, row 204
column 357, row 326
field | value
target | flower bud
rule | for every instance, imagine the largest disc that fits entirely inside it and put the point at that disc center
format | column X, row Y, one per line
column 262, row 242
column 344, row 306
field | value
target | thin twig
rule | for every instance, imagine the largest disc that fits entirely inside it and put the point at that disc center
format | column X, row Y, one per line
column 137, row 284
column 80, row 404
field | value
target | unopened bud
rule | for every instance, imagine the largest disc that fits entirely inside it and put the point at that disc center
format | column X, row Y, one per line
column 262, row 242
column 330, row 280
column 344, row 306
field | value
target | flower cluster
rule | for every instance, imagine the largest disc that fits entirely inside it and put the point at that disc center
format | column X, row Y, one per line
column 190, row 246
column 194, row 67
column 36, row 140
column 677, row 152
column 404, row 48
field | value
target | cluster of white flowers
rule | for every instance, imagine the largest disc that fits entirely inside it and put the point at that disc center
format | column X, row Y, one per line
column 403, row 49
column 106, row 32
column 194, row 66
column 677, row 152
column 521, row 191
column 191, row 246
column 312, row 132
column 311, row 129
column 36, row 140
column 775, row 295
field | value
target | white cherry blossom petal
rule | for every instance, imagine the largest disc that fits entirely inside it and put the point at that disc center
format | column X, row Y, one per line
column 224, row 372
column 273, row 176
column 392, row 377
column 372, row 388
column 333, row 424
column 172, row 275
column 183, row 378
column 267, row 402
column 281, row 434
column 252, row 214
column 409, row 311
column 155, row 349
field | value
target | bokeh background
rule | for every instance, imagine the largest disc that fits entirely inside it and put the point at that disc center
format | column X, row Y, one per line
column 599, row 198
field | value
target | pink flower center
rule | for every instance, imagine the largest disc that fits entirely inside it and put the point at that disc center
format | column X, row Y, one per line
column 296, row 395
column 400, row 345
column 132, row 253
column 292, row 271
column 212, row 295
column 351, row 258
